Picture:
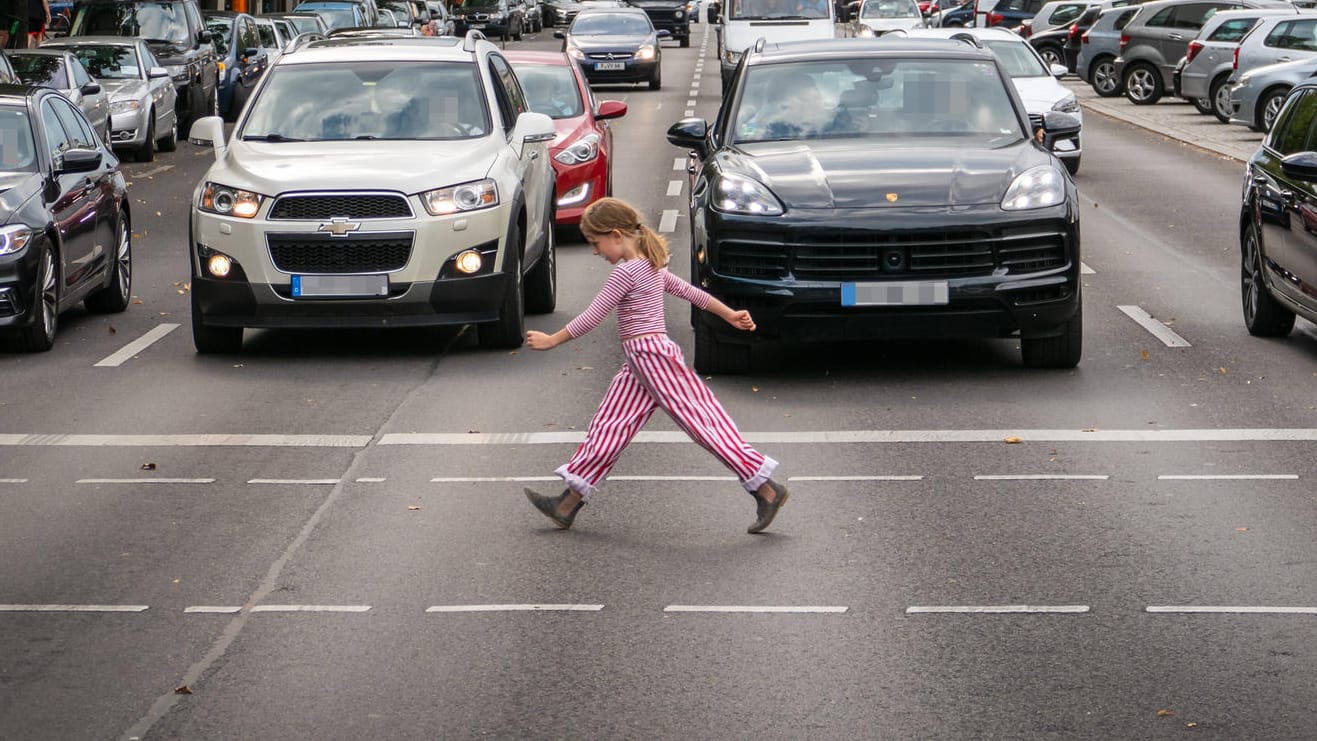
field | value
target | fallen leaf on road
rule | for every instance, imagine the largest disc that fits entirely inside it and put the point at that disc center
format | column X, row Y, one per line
column 754, row 389
column 1164, row 713
column 1241, row 529
column 112, row 330
column 1191, row 724
column 1145, row 354
column 413, row 507
column 1223, row 371
column 1012, row 440
column 137, row 301
column 148, row 466
column 183, row 690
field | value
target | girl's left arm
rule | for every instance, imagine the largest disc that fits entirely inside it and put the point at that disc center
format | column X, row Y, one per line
column 683, row 289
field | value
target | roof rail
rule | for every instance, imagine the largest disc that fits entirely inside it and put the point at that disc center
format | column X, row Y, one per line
column 759, row 45
column 968, row 38
column 301, row 40
column 469, row 41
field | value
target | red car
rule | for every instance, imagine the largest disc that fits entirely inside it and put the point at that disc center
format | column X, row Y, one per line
column 582, row 152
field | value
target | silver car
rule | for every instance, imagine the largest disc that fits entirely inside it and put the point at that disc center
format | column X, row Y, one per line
column 142, row 97
column 1101, row 46
column 1257, row 95
column 1210, row 59
column 56, row 68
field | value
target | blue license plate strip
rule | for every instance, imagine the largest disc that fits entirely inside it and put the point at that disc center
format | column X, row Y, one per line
column 896, row 293
column 340, row 286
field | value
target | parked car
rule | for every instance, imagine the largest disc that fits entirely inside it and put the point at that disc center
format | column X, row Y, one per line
column 1098, row 49
column 1205, row 70
column 1008, row 13
column 404, row 13
column 141, row 96
column 178, row 38
column 1256, row 96
column 337, row 13
column 376, row 32
column 668, row 15
column 59, row 70
column 534, row 12
column 306, row 22
column 271, row 40
column 287, row 31
column 876, row 17
column 7, row 74
column 1278, row 222
column 1061, row 44
column 1055, row 14
column 242, row 60
column 953, row 16
column 502, row 18
column 561, row 12
column 618, row 45
column 442, row 19
column 856, row 190
column 66, row 234
column 582, row 151
column 432, row 203
column 1277, row 38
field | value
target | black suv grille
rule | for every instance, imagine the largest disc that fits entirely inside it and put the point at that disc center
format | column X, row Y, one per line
column 320, row 207
column 315, row 253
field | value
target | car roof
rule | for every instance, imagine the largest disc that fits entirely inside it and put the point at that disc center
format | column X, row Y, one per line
column 888, row 45
column 987, row 34
column 612, row 11
column 400, row 48
column 88, row 41
column 537, row 57
column 20, row 92
column 38, row 52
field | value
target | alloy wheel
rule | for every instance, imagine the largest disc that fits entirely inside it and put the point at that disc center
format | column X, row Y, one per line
column 123, row 260
column 1221, row 103
column 1050, row 55
column 49, row 293
column 1271, row 109
column 1250, row 274
column 1140, row 85
column 1105, row 80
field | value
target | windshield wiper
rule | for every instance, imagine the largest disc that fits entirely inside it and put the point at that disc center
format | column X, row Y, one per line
column 271, row 138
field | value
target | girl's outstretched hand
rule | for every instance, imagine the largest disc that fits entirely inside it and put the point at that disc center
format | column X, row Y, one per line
column 741, row 320
column 539, row 340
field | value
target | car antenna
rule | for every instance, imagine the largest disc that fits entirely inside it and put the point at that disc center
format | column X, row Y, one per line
column 472, row 36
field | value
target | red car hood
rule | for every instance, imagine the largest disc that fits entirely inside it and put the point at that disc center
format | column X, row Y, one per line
column 568, row 131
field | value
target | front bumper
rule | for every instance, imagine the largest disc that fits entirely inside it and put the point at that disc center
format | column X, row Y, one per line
column 633, row 70
column 18, row 288
column 129, row 129
column 578, row 186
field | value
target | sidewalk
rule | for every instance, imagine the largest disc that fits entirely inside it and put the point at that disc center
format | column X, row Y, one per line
column 1173, row 117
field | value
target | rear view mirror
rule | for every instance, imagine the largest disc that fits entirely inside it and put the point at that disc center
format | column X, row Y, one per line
column 1058, row 125
column 156, row 72
column 1059, row 70
column 690, row 133
column 1300, row 166
column 79, row 160
column 535, row 127
column 90, row 88
column 663, row 33
column 209, row 131
column 610, row 109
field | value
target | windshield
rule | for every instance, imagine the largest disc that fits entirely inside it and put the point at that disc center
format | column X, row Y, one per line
column 875, row 98
column 401, row 10
column 780, row 9
column 335, row 16
column 162, row 22
column 369, row 100
column 1018, row 59
column 109, row 62
column 304, row 25
column 610, row 24
column 41, row 69
column 890, row 9
column 221, row 35
column 17, row 152
column 550, row 89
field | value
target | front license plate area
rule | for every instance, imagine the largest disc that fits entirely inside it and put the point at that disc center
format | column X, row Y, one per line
column 340, row 286
column 609, row 66
column 897, row 293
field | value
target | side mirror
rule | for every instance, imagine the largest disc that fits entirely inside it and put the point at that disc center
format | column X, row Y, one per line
column 690, row 133
column 203, row 36
column 209, row 131
column 90, row 88
column 560, row 34
column 1300, row 166
column 1058, row 125
column 156, row 72
column 1059, row 70
column 610, row 109
column 535, row 127
column 663, row 33
column 79, row 160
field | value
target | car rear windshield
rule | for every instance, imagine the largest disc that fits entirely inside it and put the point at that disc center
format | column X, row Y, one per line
column 610, row 24
column 221, row 34
column 878, row 97
column 369, row 100
column 153, row 21
column 41, row 69
column 17, row 152
column 108, row 62
column 550, row 89
column 747, row 10
column 1018, row 59
column 338, row 15
column 304, row 25
column 890, row 9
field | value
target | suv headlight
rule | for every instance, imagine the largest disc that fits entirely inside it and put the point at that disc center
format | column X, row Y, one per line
column 465, row 197
column 1068, row 104
column 229, row 201
column 582, row 150
column 13, row 238
column 740, row 195
column 575, row 53
column 678, row 14
column 732, row 57
column 645, row 52
column 1037, row 187
column 124, row 106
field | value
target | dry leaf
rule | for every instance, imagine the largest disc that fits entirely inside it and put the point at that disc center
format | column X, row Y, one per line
column 1241, row 529
column 1191, row 724
column 1013, row 440
column 137, row 301
column 112, row 330
column 1165, row 713
column 1145, row 354
column 413, row 507
column 183, row 690
column 157, row 213
column 148, row 466
column 1223, row 371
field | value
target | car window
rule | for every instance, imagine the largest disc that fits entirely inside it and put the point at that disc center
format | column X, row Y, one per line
column 80, row 76
column 156, row 20
column 57, row 141
column 1232, row 30
column 17, row 152
column 1292, row 131
column 1065, row 13
column 1018, row 58
column 1161, row 18
column 1125, row 17
column 739, row 10
column 551, row 90
column 510, row 83
column 108, row 62
column 1299, row 35
column 1192, row 16
column 41, row 69
column 265, row 31
column 248, row 37
column 890, row 9
column 80, row 134
column 369, row 100
column 221, row 34
column 507, row 111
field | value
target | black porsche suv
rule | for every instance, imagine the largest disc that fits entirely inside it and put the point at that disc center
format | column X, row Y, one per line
column 854, row 189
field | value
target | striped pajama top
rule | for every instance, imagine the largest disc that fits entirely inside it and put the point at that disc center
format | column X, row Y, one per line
column 635, row 288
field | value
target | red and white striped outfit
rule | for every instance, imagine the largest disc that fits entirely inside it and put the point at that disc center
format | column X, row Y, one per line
column 654, row 376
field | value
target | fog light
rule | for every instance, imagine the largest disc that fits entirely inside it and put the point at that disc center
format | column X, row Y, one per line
column 469, row 262
column 575, row 195
column 219, row 265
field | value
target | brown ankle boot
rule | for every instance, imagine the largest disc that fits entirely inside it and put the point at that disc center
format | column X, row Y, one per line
column 766, row 510
column 549, row 507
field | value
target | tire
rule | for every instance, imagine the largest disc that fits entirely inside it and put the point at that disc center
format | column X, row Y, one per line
column 146, row 152
column 235, row 103
column 109, row 135
column 517, row 36
column 1143, row 84
column 685, row 42
column 40, row 337
column 1061, row 351
column 542, row 281
column 1202, row 105
column 509, row 331
column 1071, row 165
column 1051, row 55
column 213, row 340
column 714, row 355
column 1269, row 106
column 170, row 142
column 1219, row 94
column 656, row 80
column 113, row 298
column 1264, row 316
column 1102, row 76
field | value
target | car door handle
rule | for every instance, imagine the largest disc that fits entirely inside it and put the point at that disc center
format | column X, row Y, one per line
column 1284, row 59
column 1176, row 37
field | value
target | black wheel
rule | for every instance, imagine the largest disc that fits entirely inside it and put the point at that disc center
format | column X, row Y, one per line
column 1219, row 94
column 1061, row 351
column 1269, row 107
column 235, row 103
column 1071, row 165
column 685, row 42
column 146, row 152
column 1264, row 316
column 542, row 281
column 510, row 329
column 40, row 337
column 1102, row 76
column 656, row 80
column 113, row 298
column 213, row 340
column 1202, row 105
column 1051, row 55
column 1143, row 84
column 717, row 356
column 170, row 142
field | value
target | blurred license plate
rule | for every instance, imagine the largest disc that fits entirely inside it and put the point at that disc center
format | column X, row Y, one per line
column 607, row 66
column 339, row 286
column 477, row 26
column 903, row 293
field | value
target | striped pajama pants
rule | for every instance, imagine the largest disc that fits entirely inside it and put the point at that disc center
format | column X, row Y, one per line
column 655, row 376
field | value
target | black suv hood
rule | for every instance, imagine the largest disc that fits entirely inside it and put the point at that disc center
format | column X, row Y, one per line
column 657, row 4
column 15, row 190
column 867, row 173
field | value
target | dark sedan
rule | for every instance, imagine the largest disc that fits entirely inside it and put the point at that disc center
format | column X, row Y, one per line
column 65, row 234
column 616, row 45
column 857, row 191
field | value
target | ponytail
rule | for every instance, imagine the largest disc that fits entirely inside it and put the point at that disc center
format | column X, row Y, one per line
column 607, row 214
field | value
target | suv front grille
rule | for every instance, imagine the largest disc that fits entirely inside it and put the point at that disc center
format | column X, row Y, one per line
column 316, row 253
column 350, row 206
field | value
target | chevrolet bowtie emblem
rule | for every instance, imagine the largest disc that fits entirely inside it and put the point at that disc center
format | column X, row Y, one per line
column 339, row 226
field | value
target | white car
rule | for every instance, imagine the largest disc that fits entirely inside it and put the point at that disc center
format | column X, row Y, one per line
column 1035, row 82
column 877, row 17
column 388, row 182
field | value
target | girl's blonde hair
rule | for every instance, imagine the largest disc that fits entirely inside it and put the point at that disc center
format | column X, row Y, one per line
column 607, row 214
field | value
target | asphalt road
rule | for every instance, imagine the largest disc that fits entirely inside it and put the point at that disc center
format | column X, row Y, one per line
column 324, row 536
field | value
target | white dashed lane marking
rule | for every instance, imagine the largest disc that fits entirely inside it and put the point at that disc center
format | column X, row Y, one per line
column 1154, row 327
column 1229, row 477
column 1086, row 270
column 145, row 481
column 295, row 482
column 73, row 608
column 855, row 478
column 136, row 346
column 1042, row 477
column 679, row 163
column 1240, row 609
column 832, row 609
column 13, row 481
column 996, row 609
column 515, row 608
column 668, row 222
column 674, row 188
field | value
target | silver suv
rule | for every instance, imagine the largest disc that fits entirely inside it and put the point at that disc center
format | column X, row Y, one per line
column 376, row 183
column 1099, row 47
column 1207, row 65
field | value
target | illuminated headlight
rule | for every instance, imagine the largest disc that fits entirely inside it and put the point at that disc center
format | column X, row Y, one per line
column 575, row 195
column 465, row 197
column 741, row 195
column 679, row 14
column 495, row 17
column 219, row 265
column 1037, row 187
column 124, row 106
column 227, row 201
column 583, row 150
column 645, row 52
column 575, row 53
column 468, row 262
column 732, row 57
column 178, row 72
column 13, row 238
column 1068, row 104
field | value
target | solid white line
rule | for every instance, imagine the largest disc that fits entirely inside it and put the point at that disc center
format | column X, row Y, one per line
column 1154, row 327
column 668, row 222
column 13, row 481
column 515, row 608
column 1234, row 609
column 757, row 608
column 489, row 479
column 73, row 608
column 297, row 482
column 872, row 436
column 1086, row 270
column 674, row 188
column 371, row 480
column 679, row 163
column 188, row 441
column 997, row 609
column 695, row 77
column 311, row 608
column 1042, row 477
column 855, row 478
column 136, row 346
column 213, row 609
column 145, row 481
column 1230, row 477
